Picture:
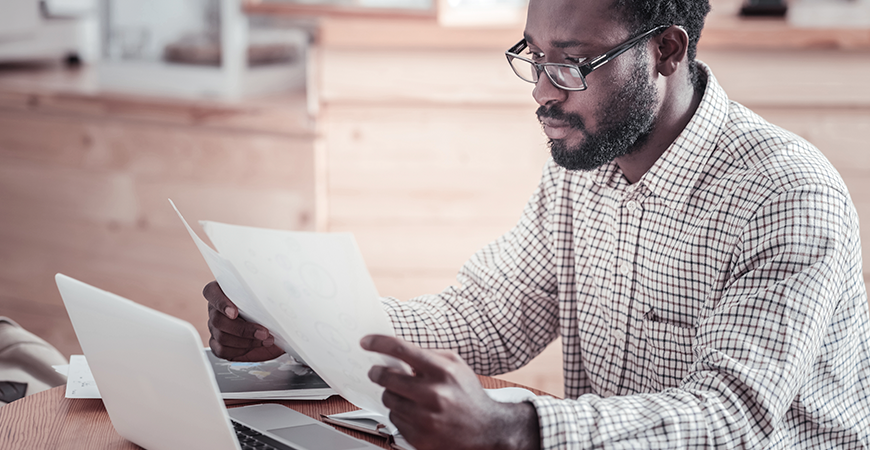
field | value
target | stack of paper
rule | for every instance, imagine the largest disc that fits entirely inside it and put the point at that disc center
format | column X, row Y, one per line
column 279, row 379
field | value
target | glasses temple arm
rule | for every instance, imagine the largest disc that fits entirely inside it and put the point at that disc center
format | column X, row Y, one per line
column 605, row 58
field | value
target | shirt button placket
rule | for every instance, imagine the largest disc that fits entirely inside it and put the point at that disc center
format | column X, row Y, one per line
column 617, row 351
column 634, row 209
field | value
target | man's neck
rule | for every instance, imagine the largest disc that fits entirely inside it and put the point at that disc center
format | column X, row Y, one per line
column 676, row 112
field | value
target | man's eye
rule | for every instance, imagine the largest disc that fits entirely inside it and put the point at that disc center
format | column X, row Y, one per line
column 535, row 56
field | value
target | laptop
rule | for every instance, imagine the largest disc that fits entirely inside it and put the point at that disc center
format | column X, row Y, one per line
column 159, row 388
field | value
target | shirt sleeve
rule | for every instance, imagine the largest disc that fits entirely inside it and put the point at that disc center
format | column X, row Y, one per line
column 506, row 311
column 792, row 314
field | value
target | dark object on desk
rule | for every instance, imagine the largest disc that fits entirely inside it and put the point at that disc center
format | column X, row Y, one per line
column 764, row 8
column 11, row 391
column 25, row 361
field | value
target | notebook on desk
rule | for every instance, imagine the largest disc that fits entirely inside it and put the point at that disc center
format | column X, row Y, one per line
column 159, row 389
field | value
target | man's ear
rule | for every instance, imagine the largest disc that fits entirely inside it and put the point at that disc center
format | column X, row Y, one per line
column 672, row 46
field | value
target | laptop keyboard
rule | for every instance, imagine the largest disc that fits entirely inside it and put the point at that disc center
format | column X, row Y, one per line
column 252, row 439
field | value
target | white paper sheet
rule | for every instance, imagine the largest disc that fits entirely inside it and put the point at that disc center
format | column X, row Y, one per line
column 80, row 382
column 510, row 394
column 313, row 292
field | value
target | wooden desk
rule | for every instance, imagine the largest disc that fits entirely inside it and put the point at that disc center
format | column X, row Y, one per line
column 48, row 420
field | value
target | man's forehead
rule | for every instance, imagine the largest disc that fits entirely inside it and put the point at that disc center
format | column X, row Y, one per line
column 571, row 23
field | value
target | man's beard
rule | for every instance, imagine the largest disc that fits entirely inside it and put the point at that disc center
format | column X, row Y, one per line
column 625, row 124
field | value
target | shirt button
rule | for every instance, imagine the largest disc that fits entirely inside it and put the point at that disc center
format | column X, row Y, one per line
column 588, row 181
column 632, row 205
column 625, row 268
column 618, row 337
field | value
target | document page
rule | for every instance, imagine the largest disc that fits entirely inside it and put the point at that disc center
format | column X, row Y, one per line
column 313, row 292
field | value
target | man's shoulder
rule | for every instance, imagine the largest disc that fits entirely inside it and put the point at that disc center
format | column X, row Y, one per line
column 784, row 159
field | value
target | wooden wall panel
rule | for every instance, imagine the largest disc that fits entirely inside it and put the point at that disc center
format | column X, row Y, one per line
column 419, row 164
column 424, row 188
column 86, row 195
column 792, row 78
column 435, row 76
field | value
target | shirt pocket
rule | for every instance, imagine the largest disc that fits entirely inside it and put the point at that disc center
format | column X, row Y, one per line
column 669, row 354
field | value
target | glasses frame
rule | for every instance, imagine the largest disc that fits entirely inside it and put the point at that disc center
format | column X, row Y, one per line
column 584, row 68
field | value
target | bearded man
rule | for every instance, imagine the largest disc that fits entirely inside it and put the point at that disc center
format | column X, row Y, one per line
column 702, row 266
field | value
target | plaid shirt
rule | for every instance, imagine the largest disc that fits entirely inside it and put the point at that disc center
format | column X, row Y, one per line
column 717, row 302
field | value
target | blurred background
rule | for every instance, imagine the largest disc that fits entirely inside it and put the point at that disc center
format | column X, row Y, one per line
column 396, row 120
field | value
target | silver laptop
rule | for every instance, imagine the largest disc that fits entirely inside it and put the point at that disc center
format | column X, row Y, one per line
column 159, row 389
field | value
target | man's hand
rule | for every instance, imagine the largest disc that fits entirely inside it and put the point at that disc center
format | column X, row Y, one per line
column 443, row 405
column 233, row 337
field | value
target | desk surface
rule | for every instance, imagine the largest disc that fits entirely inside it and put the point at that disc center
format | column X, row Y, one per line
column 49, row 420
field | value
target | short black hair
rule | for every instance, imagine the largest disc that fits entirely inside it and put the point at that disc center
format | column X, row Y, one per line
column 644, row 15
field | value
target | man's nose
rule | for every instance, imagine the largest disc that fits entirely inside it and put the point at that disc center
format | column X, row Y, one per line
column 545, row 92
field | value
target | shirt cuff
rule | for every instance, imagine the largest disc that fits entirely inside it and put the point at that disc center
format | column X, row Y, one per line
column 561, row 423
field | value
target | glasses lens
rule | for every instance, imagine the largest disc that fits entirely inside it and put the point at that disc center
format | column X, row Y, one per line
column 566, row 76
column 524, row 69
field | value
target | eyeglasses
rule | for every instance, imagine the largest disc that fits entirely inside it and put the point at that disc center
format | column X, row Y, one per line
column 570, row 77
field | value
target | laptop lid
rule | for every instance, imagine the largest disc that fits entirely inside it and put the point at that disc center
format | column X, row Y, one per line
column 158, row 386
column 154, row 380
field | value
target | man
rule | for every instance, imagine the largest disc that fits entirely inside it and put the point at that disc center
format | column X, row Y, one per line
column 701, row 265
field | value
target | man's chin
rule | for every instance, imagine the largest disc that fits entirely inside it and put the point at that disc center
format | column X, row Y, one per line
column 573, row 157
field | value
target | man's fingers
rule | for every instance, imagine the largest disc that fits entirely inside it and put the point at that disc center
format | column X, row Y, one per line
column 244, row 354
column 262, row 354
column 423, row 361
column 219, row 301
column 229, row 340
column 235, row 327
column 398, row 404
column 225, row 352
column 400, row 384
column 412, row 432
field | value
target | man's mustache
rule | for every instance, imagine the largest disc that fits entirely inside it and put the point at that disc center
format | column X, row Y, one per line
column 555, row 112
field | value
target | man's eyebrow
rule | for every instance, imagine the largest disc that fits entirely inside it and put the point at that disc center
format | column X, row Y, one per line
column 568, row 44
column 560, row 44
